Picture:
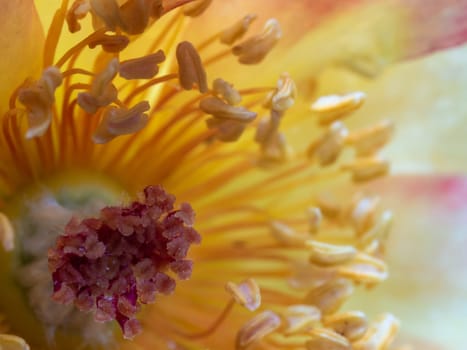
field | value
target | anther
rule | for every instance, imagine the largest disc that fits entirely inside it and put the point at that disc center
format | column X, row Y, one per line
column 246, row 293
column 379, row 230
column 329, row 296
column 364, row 269
column 315, row 217
column 329, row 146
column 284, row 95
column 362, row 213
column 286, row 235
column 226, row 91
column 255, row 49
column 300, row 317
column 78, row 10
column 7, row 236
column 273, row 143
column 365, row 169
column 142, row 68
column 191, row 70
column 121, row 121
column 257, row 328
column 39, row 99
column 196, row 8
column 322, row 338
column 333, row 107
column 350, row 324
column 219, row 109
column 103, row 92
column 237, row 31
column 379, row 335
column 108, row 11
column 329, row 254
column 369, row 140
column 110, row 43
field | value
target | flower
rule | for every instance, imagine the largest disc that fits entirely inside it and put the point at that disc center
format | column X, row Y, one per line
column 139, row 168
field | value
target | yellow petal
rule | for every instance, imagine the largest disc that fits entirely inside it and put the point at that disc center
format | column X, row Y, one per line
column 21, row 41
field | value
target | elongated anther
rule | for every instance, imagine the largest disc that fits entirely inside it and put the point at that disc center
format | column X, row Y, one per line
column 226, row 91
column 369, row 140
column 121, row 121
column 219, row 109
column 237, row 30
column 286, row 235
column 379, row 335
column 364, row 169
column 333, row 107
column 144, row 67
column 364, row 268
column 300, row 317
column 328, row 148
column 329, row 296
column 257, row 328
column 191, row 70
column 246, row 293
column 78, row 10
column 110, row 43
column 255, row 49
column 350, row 324
column 326, row 339
column 329, row 254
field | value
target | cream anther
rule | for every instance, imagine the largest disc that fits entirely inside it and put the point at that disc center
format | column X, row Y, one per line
column 78, row 10
column 364, row 169
column 110, row 43
column 315, row 217
column 142, row 68
column 369, row 140
column 330, row 254
column 329, row 146
column 255, row 49
column 284, row 95
column 121, row 121
column 379, row 335
column 103, row 92
column 226, row 91
column 7, row 235
column 286, row 235
column 39, row 99
column 350, row 324
column 322, row 338
column 219, row 109
column 364, row 269
column 329, row 296
column 300, row 317
column 191, row 70
column 237, row 31
column 196, row 8
column 333, row 107
column 247, row 293
column 362, row 213
column 257, row 328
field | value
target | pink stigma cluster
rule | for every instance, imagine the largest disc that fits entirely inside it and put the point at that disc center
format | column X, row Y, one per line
column 112, row 264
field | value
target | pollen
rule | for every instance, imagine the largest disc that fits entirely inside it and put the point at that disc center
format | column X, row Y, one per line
column 112, row 264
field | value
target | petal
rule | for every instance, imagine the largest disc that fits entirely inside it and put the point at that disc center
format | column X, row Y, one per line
column 426, row 256
column 21, row 41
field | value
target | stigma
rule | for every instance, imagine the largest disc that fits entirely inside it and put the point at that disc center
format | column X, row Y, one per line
column 112, row 264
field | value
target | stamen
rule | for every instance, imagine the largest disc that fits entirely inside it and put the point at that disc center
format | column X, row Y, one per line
column 274, row 147
column 257, row 328
column 39, row 99
column 379, row 335
column 237, row 31
column 322, row 338
column 330, row 254
column 7, row 235
column 143, row 67
column 286, row 235
column 191, row 70
column 12, row 342
column 114, row 263
column 196, row 8
column 103, row 92
column 246, row 293
column 255, row 49
column 110, row 43
column 368, row 141
column 363, row 212
column 219, row 109
column 300, row 318
column 329, row 296
column 379, row 230
column 284, row 95
column 364, row 269
column 226, row 91
column 365, row 169
column 78, row 10
column 109, row 12
column 121, row 121
column 333, row 107
column 351, row 324
column 329, row 146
